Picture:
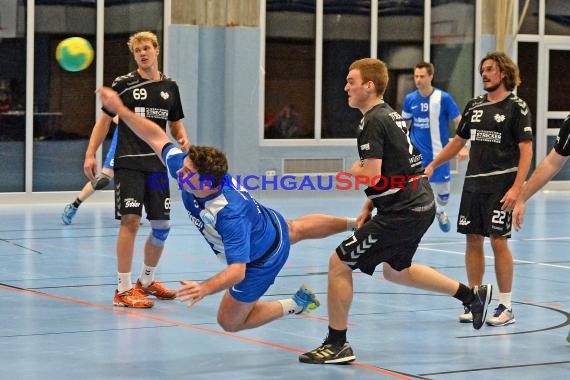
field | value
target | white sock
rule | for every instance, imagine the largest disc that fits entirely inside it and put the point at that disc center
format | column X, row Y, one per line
column 290, row 306
column 147, row 275
column 350, row 224
column 124, row 282
column 505, row 299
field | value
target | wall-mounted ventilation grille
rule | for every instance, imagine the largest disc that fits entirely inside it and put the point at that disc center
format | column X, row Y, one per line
column 313, row 165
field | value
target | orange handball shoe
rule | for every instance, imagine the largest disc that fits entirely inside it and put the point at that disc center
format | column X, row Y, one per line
column 156, row 289
column 132, row 298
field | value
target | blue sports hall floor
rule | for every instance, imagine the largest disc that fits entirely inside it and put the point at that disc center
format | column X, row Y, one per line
column 58, row 320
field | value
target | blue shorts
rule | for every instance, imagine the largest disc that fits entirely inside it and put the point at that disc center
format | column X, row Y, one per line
column 441, row 173
column 259, row 277
column 110, row 157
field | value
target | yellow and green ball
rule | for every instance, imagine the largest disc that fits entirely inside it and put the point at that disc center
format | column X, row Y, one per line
column 74, row 54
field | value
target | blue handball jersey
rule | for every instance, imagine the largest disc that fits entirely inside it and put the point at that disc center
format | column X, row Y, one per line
column 238, row 229
column 429, row 116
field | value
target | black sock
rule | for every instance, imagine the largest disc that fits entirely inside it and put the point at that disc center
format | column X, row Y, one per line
column 77, row 202
column 336, row 337
column 464, row 294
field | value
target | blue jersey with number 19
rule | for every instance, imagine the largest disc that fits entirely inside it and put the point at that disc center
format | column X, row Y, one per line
column 429, row 129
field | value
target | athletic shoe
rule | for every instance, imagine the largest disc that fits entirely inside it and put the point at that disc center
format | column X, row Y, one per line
column 68, row 213
column 306, row 298
column 132, row 298
column 479, row 305
column 156, row 289
column 329, row 353
column 467, row 316
column 502, row 316
column 443, row 220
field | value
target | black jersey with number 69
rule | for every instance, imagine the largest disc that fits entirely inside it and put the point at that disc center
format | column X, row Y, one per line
column 156, row 100
column 383, row 135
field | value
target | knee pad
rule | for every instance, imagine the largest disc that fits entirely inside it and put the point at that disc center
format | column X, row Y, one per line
column 159, row 233
column 100, row 181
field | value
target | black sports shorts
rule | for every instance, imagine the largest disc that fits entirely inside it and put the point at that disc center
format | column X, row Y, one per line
column 392, row 238
column 135, row 189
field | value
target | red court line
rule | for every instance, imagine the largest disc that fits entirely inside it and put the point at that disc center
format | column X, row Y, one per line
column 194, row 327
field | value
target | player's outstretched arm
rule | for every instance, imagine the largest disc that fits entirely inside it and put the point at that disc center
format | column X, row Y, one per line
column 146, row 129
column 547, row 169
column 98, row 134
column 193, row 291
column 450, row 151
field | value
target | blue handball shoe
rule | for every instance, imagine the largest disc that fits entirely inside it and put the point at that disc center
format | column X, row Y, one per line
column 306, row 298
column 443, row 220
column 68, row 213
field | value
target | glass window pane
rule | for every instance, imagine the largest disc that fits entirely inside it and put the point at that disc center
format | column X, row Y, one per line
column 530, row 21
column 558, row 80
column 12, row 96
column 557, row 17
column 346, row 34
column 64, row 102
column 564, row 174
column 400, row 45
column 528, row 65
column 554, row 124
column 290, row 70
column 123, row 19
column 452, row 48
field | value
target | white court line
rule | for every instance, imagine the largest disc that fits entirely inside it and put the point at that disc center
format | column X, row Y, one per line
column 493, row 258
column 511, row 240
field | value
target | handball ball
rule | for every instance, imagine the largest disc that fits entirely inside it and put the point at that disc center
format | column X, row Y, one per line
column 74, row 54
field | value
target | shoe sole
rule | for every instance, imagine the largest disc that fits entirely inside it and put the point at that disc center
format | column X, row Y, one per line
column 509, row 322
column 345, row 360
column 120, row 304
column 489, row 296
column 160, row 298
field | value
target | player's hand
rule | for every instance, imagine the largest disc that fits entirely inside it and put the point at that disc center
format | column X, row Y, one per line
column 463, row 154
column 364, row 216
column 90, row 168
column 110, row 99
column 518, row 215
column 510, row 198
column 184, row 144
column 429, row 170
column 190, row 291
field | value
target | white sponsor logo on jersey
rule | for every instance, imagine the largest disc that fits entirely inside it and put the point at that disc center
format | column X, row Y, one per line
column 156, row 113
column 164, row 95
column 486, row 136
column 131, row 203
column 463, row 221
column 365, row 146
column 499, row 118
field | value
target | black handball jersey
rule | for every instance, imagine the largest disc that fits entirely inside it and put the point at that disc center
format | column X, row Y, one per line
column 383, row 135
column 562, row 146
column 156, row 100
column 495, row 130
